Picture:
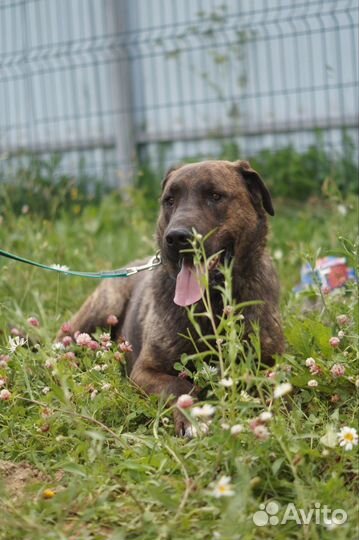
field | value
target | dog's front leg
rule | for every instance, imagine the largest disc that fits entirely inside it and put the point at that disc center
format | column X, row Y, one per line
column 153, row 381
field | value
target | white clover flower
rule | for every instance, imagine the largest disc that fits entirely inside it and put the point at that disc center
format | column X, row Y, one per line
column 225, row 426
column 236, row 429
column 50, row 363
column 282, row 390
column 58, row 346
column 96, row 368
column 45, row 390
column 105, row 387
column 348, row 437
column 223, row 488
column 104, row 367
column 93, row 394
column 265, row 416
column 278, row 254
column 15, row 343
column 310, row 362
column 226, row 382
column 206, row 411
column 312, row 383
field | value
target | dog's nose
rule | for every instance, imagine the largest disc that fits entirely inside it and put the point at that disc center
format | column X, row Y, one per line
column 178, row 239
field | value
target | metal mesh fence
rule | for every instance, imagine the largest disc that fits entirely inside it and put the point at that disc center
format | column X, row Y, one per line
column 109, row 83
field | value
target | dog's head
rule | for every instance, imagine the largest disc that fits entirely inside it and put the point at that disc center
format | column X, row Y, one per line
column 227, row 198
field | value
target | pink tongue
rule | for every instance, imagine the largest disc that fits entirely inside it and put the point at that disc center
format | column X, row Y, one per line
column 188, row 289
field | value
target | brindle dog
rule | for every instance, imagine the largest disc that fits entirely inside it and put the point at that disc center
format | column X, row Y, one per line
column 229, row 199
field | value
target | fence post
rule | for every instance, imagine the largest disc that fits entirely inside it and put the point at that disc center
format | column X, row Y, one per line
column 121, row 82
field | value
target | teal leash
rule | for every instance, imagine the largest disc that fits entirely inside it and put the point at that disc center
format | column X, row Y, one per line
column 121, row 273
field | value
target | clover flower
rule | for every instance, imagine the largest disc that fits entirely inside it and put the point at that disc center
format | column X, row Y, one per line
column 236, row 429
column 125, row 346
column 261, row 432
column 33, row 321
column 83, row 339
column 312, row 383
column 265, row 416
column 342, row 320
column 5, row 394
column 66, row 328
column 282, row 390
column 184, row 401
column 112, row 320
column 338, row 370
column 67, row 340
column 334, row 342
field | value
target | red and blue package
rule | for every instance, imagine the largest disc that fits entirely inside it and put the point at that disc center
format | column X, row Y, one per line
column 330, row 272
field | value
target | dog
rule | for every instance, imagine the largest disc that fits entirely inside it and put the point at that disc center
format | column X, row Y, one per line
column 230, row 199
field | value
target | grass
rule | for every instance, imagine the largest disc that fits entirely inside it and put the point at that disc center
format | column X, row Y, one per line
column 85, row 456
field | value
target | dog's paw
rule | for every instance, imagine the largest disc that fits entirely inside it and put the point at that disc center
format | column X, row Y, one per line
column 184, row 428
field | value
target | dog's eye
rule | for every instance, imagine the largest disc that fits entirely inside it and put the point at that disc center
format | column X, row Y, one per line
column 169, row 201
column 216, row 196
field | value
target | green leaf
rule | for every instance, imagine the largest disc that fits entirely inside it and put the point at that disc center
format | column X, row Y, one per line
column 330, row 438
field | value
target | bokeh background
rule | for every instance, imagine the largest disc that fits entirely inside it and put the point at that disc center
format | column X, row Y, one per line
column 120, row 88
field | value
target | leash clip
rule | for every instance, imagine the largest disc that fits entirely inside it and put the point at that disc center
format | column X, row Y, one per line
column 152, row 263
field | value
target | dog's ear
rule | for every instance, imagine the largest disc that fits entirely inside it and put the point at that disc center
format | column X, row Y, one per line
column 255, row 185
column 168, row 174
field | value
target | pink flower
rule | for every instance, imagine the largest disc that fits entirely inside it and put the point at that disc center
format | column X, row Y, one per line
column 66, row 328
column 125, row 346
column 5, row 395
column 271, row 374
column 315, row 370
column 118, row 356
column 338, row 370
column 342, row 320
column 33, row 321
column 15, row 331
column 67, row 340
column 334, row 342
column 184, row 401
column 335, row 398
column 112, row 320
column 93, row 345
column 261, row 432
column 83, row 339
column 70, row 356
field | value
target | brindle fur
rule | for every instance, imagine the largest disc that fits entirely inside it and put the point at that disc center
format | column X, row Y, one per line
column 143, row 303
